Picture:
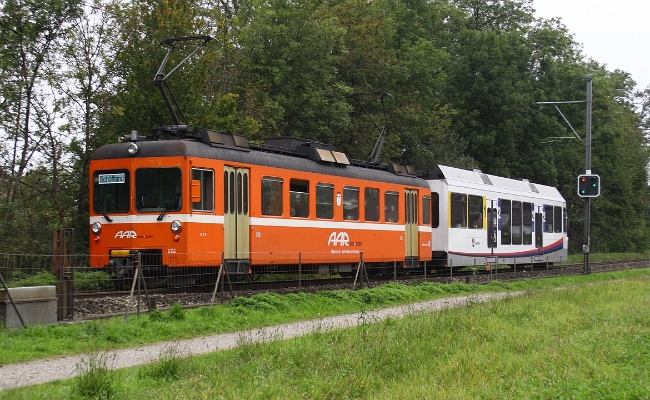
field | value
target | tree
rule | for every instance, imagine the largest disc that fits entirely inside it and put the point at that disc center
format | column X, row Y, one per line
column 88, row 87
column 288, row 77
column 29, row 30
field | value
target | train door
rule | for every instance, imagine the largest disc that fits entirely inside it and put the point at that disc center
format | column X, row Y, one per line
column 236, row 214
column 492, row 225
column 411, row 233
column 539, row 227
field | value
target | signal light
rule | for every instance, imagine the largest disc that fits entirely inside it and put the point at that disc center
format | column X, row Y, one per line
column 588, row 185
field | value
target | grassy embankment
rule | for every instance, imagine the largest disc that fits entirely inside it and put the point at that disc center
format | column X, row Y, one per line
column 266, row 309
column 591, row 341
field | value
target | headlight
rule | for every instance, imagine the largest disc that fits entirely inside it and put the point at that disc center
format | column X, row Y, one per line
column 97, row 228
column 133, row 149
column 176, row 226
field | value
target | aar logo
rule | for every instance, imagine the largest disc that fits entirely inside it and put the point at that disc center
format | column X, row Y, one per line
column 339, row 239
column 126, row 234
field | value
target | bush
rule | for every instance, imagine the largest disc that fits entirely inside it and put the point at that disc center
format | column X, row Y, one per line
column 177, row 312
column 168, row 367
column 43, row 278
column 91, row 281
column 96, row 380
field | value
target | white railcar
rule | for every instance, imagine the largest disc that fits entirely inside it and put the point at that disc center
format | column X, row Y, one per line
column 480, row 219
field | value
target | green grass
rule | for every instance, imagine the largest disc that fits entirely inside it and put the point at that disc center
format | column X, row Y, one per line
column 265, row 309
column 578, row 258
column 581, row 342
column 84, row 281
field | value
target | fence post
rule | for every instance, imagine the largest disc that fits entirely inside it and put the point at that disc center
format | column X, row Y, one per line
column 219, row 273
column 64, row 271
column 299, row 270
column 361, row 268
column 547, row 264
column 425, row 270
column 11, row 300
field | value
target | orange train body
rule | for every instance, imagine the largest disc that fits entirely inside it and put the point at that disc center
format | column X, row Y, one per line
column 189, row 203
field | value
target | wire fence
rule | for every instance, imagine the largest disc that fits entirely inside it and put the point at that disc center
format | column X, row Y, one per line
column 79, row 291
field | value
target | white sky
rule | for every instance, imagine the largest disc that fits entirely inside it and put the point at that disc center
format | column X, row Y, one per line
column 612, row 32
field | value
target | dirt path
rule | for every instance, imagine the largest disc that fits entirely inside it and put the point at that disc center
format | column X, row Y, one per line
column 42, row 371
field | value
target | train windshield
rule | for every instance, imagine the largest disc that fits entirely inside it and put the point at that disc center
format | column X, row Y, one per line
column 111, row 191
column 158, row 189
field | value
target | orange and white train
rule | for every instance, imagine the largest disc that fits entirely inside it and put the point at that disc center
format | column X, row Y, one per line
column 212, row 199
column 200, row 202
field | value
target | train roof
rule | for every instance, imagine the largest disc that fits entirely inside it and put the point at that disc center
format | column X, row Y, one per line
column 479, row 180
column 265, row 155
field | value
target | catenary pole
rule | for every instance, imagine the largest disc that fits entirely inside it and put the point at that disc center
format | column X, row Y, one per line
column 585, row 247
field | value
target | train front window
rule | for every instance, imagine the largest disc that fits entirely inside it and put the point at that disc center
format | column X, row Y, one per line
column 111, row 191
column 158, row 189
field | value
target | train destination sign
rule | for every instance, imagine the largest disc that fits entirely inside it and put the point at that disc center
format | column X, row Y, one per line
column 105, row 179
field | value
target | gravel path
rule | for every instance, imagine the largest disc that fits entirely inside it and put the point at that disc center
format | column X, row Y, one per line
column 37, row 372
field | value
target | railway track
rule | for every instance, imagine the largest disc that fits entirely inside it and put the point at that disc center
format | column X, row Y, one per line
column 92, row 305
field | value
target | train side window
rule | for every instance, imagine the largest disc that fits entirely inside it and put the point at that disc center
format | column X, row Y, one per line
column 458, row 210
column 324, row 201
column 505, row 222
column 391, row 200
column 548, row 218
column 475, row 204
column 206, row 177
column 272, row 196
column 557, row 219
column 564, row 219
column 299, row 198
column 426, row 210
column 527, row 227
column 351, row 203
column 111, row 191
column 516, row 222
column 435, row 209
column 371, row 202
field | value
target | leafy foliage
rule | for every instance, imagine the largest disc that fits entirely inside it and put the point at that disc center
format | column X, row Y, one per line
column 464, row 76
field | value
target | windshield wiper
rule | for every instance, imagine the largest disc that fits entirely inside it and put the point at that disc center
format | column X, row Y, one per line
column 101, row 210
column 169, row 207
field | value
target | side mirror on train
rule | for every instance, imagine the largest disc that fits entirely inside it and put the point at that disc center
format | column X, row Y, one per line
column 196, row 191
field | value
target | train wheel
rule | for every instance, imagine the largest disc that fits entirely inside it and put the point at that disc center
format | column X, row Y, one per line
column 254, row 276
column 120, row 283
